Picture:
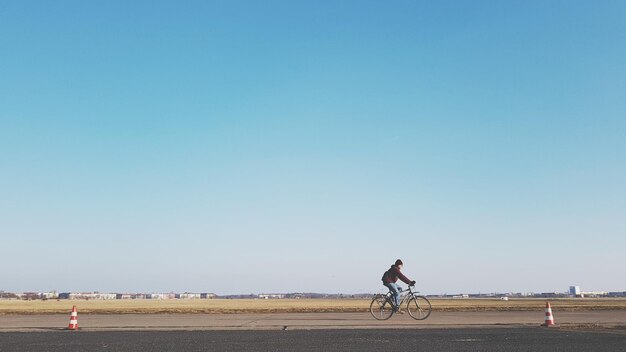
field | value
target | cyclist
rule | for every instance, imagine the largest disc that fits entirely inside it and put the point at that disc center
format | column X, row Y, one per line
column 390, row 278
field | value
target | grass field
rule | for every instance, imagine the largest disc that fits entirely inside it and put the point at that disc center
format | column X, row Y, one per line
column 289, row 305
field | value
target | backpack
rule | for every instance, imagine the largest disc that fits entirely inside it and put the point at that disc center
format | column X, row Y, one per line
column 387, row 274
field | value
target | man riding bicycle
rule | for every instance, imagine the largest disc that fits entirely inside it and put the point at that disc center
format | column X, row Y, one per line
column 390, row 278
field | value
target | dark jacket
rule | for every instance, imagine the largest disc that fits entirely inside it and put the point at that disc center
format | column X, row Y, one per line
column 393, row 274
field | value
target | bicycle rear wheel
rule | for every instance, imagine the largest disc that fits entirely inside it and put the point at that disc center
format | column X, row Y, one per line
column 419, row 307
column 381, row 307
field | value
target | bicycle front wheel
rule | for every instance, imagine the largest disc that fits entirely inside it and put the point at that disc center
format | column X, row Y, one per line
column 419, row 307
column 381, row 308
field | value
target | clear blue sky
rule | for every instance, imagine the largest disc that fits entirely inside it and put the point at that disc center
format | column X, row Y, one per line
column 238, row 147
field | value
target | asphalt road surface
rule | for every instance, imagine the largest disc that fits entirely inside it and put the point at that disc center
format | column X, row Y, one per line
column 306, row 321
column 397, row 340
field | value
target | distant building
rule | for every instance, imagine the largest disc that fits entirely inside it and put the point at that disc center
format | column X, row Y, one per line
column 271, row 295
column 188, row 295
column 29, row 295
column 162, row 295
column 87, row 295
column 462, row 296
column 50, row 295
column 549, row 295
column 8, row 295
column 574, row 291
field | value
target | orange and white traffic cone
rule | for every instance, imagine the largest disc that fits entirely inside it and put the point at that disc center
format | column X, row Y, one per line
column 549, row 317
column 73, row 319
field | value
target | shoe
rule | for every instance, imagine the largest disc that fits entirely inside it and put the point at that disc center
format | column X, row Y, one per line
column 398, row 311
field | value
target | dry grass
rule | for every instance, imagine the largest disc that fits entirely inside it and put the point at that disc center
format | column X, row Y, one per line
column 288, row 305
column 524, row 304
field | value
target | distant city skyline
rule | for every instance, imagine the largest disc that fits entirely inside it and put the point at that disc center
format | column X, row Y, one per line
column 186, row 294
column 294, row 146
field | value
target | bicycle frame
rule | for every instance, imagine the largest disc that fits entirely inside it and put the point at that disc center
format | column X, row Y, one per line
column 405, row 295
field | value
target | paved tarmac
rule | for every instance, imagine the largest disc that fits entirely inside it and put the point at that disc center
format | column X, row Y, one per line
column 397, row 340
column 307, row 321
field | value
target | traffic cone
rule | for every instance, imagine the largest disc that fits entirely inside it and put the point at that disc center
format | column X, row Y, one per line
column 73, row 319
column 549, row 317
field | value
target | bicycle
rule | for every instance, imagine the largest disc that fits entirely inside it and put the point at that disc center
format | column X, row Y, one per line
column 418, row 306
